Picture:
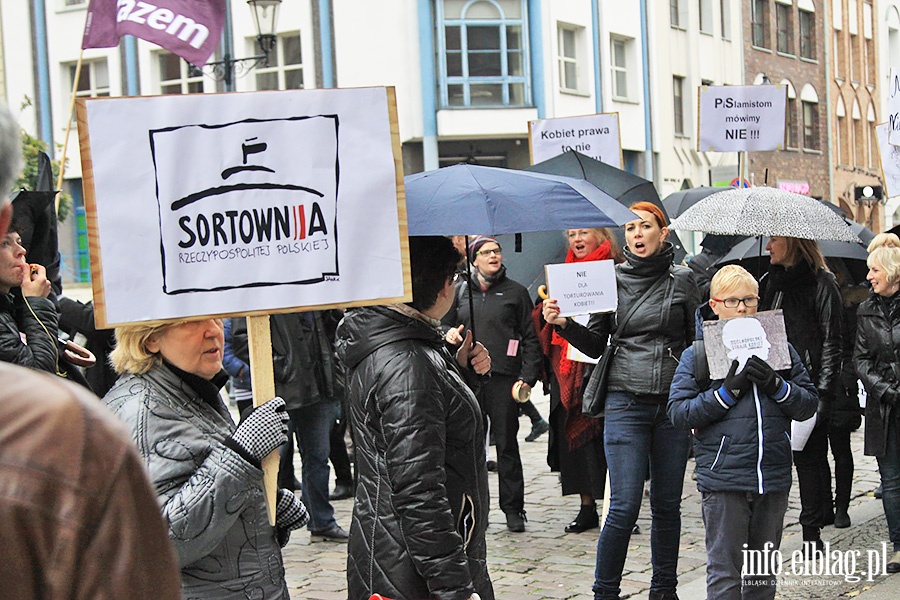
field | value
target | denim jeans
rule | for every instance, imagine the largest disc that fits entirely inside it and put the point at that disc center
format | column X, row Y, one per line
column 312, row 425
column 637, row 435
column 889, row 467
column 733, row 519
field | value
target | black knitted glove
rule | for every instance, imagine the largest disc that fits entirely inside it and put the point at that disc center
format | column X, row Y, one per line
column 261, row 432
column 735, row 385
column 759, row 372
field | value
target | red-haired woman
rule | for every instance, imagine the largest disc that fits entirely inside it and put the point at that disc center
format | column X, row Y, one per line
column 575, row 448
column 637, row 431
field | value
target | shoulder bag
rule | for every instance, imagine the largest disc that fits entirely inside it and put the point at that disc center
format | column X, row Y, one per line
column 593, row 400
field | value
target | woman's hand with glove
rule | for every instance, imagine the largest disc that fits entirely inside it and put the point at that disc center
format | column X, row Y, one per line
column 261, row 432
column 290, row 514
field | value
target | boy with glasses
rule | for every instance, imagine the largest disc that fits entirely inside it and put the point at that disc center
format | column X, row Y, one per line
column 742, row 446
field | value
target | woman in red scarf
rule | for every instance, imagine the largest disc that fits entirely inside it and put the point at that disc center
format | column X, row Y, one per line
column 575, row 447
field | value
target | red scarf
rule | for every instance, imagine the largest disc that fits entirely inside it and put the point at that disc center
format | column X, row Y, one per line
column 570, row 374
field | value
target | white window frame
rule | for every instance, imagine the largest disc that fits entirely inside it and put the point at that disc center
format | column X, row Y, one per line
column 811, row 15
column 679, row 107
column 276, row 60
column 782, row 8
column 185, row 80
column 676, row 9
column 725, row 18
column 705, row 21
column 575, row 60
column 853, row 17
column 840, row 134
column 616, row 69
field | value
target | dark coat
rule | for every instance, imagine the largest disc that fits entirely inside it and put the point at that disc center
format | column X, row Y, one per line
column 877, row 361
column 813, row 319
column 421, row 508
column 77, row 317
column 302, row 356
column 502, row 314
column 657, row 332
column 41, row 351
column 730, row 457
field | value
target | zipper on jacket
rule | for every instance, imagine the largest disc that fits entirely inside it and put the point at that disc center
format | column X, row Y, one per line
column 718, row 454
column 672, row 355
column 759, row 435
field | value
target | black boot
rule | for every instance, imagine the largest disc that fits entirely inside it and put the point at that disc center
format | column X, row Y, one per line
column 587, row 519
column 655, row 595
column 841, row 518
column 812, row 542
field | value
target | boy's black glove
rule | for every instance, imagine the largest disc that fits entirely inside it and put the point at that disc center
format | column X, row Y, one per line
column 759, row 372
column 736, row 384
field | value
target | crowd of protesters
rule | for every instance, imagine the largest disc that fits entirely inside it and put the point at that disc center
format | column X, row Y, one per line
column 170, row 487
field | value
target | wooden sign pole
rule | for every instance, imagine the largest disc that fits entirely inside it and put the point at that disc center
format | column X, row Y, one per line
column 262, row 374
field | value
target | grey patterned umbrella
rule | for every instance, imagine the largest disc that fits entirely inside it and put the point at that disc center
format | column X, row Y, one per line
column 765, row 211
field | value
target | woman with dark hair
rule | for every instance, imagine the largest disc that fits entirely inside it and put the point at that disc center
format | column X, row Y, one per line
column 799, row 283
column 637, row 431
column 422, row 502
column 875, row 358
column 575, row 448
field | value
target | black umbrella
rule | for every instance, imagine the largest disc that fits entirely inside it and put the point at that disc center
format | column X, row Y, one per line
column 625, row 187
column 678, row 202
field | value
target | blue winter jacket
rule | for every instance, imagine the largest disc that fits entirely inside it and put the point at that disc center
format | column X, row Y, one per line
column 745, row 447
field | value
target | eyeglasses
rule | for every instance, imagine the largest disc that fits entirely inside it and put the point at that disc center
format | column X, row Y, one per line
column 749, row 302
column 490, row 252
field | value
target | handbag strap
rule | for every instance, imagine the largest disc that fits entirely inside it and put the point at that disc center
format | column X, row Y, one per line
column 621, row 325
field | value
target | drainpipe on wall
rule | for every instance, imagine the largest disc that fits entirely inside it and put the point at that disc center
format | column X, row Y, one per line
column 326, row 40
column 827, row 47
column 645, row 64
column 536, row 39
column 132, row 83
column 429, row 86
column 228, row 45
column 42, row 66
column 598, row 82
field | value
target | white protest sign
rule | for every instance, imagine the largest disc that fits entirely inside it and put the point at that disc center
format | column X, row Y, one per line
column 739, row 338
column 596, row 136
column 893, row 106
column 736, row 118
column 583, row 288
column 890, row 160
column 217, row 204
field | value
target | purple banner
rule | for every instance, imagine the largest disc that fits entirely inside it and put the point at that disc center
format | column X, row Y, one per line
column 188, row 28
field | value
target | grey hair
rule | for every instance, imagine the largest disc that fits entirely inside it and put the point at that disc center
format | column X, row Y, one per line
column 10, row 153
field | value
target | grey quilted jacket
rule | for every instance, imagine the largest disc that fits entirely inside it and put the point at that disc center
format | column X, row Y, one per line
column 212, row 499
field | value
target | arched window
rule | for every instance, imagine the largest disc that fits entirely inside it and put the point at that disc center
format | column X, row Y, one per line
column 873, row 137
column 840, row 133
column 484, row 56
column 792, row 139
column 859, row 136
column 809, row 101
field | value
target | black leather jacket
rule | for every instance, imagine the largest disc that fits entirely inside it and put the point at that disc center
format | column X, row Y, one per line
column 41, row 351
column 877, row 361
column 657, row 332
column 422, row 502
column 813, row 320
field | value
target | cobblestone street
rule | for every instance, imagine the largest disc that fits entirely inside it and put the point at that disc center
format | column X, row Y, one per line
column 545, row 562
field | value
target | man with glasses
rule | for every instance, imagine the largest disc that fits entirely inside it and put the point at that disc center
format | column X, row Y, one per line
column 742, row 445
column 503, row 324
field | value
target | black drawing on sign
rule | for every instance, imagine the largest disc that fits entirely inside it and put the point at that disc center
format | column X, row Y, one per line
column 247, row 150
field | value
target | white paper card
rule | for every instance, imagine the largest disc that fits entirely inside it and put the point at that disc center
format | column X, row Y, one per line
column 735, row 118
column 573, row 353
column 582, row 288
column 596, row 136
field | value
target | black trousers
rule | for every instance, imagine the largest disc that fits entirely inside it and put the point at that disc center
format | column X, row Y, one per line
column 504, row 414
column 843, row 467
column 814, row 478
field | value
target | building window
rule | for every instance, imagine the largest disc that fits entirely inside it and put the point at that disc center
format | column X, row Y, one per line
column 784, row 28
column 706, row 17
column 725, row 18
column 678, row 96
column 176, row 75
column 839, row 59
column 859, row 142
column 841, row 137
column 792, row 132
column 852, row 17
column 619, row 50
column 285, row 70
column 93, row 81
column 807, row 34
column 569, row 42
column 484, row 59
column 75, row 2
column 873, row 138
column 675, row 13
column 811, row 125
column 759, row 19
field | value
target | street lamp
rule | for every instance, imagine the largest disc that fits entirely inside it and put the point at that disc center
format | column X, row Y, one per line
column 265, row 19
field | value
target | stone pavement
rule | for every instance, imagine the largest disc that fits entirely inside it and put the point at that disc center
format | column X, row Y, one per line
column 546, row 563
